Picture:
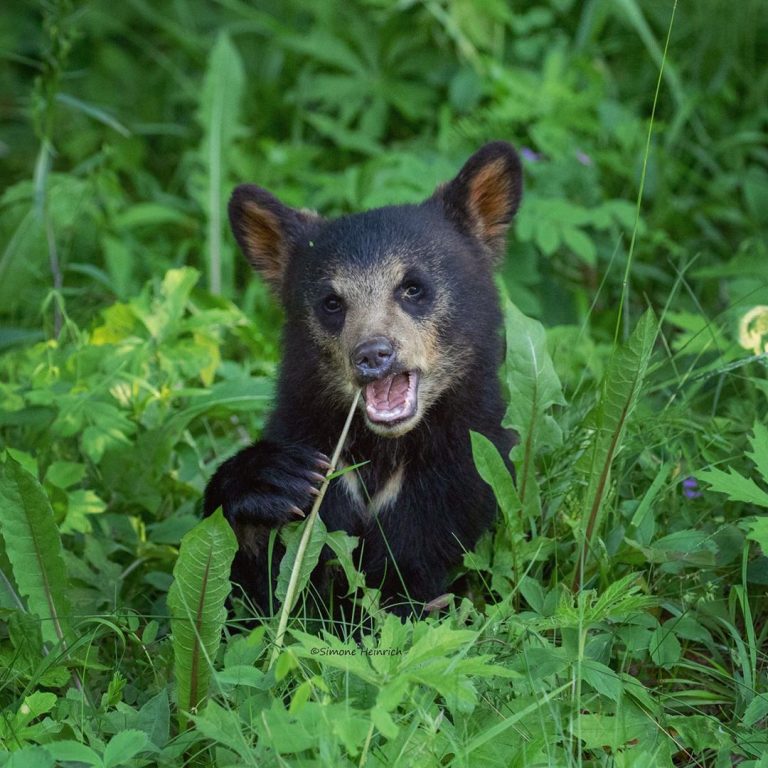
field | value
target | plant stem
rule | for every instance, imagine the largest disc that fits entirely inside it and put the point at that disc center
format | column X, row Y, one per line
column 290, row 593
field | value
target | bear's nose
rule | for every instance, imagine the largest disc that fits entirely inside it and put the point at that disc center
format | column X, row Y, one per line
column 373, row 358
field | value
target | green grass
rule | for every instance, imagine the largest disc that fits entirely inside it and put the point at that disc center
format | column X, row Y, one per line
column 617, row 614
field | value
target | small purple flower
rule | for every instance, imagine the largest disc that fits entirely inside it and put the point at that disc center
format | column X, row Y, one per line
column 583, row 158
column 691, row 488
column 529, row 155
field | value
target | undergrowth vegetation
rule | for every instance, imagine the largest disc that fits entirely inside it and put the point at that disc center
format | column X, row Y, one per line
column 617, row 615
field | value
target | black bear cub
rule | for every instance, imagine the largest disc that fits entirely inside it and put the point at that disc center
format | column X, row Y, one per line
column 399, row 301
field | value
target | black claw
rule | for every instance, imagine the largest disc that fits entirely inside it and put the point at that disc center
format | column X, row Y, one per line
column 313, row 491
column 296, row 511
column 315, row 477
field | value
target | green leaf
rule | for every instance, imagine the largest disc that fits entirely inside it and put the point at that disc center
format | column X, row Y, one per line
column 582, row 245
column 124, row 746
column 73, row 751
column 34, row 548
column 196, row 601
column 534, row 388
column 65, row 474
column 757, row 530
column 291, row 535
column 735, row 486
column 664, row 647
column 757, row 710
column 621, row 388
column 491, row 467
column 602, row 678
column 383, row 722
column 31, row 757
column 219, row 115
column 759, row 454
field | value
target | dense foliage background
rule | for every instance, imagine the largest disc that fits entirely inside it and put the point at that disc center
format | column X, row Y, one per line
column 617, row 616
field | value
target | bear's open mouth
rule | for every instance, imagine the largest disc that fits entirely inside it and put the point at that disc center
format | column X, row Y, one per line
column 392, row 399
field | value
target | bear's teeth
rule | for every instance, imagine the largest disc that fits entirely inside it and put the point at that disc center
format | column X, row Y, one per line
column 392, row 398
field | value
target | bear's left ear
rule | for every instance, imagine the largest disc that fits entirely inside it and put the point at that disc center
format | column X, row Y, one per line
column 485, row 194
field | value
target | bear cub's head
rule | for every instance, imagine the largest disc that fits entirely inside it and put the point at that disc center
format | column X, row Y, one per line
column 398, row 300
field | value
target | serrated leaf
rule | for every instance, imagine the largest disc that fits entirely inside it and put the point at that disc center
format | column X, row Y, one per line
column 33, row 546
column 620, row 390
column 759, row 453
column 123, row 746
column 757, row 530
column 734, row 485
column 196, row 601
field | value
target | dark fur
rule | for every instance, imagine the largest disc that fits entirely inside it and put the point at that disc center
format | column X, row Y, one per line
column 452, row 240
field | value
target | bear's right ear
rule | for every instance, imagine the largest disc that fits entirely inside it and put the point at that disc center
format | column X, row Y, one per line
column 266, row 230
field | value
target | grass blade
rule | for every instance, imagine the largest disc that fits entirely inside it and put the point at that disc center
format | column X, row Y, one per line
column 218, row 116
column 298, row 567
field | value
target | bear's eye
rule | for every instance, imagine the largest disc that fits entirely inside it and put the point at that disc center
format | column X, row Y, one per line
column 412, row 290
column 333, row 304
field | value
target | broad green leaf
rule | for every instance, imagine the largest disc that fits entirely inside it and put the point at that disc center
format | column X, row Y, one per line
column 383, row 722
column 33, row 546
column 534, row 388
column 620, row 390
column 602, row 678
column 31, row 757
column 291, row 535
column 65, row 474
column 757, row 530
column 343, row 546
column 664, row 647
column 68, row 750
column 196, row 601
column 490, row 466
column 123, row 746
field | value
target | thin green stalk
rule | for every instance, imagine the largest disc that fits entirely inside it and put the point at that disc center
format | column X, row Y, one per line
column 290, row 594
column 625, row 281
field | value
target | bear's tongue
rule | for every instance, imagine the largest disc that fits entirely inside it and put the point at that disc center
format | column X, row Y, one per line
column 391, row 399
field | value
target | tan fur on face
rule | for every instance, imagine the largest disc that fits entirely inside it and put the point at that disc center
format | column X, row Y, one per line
column 373, row 309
